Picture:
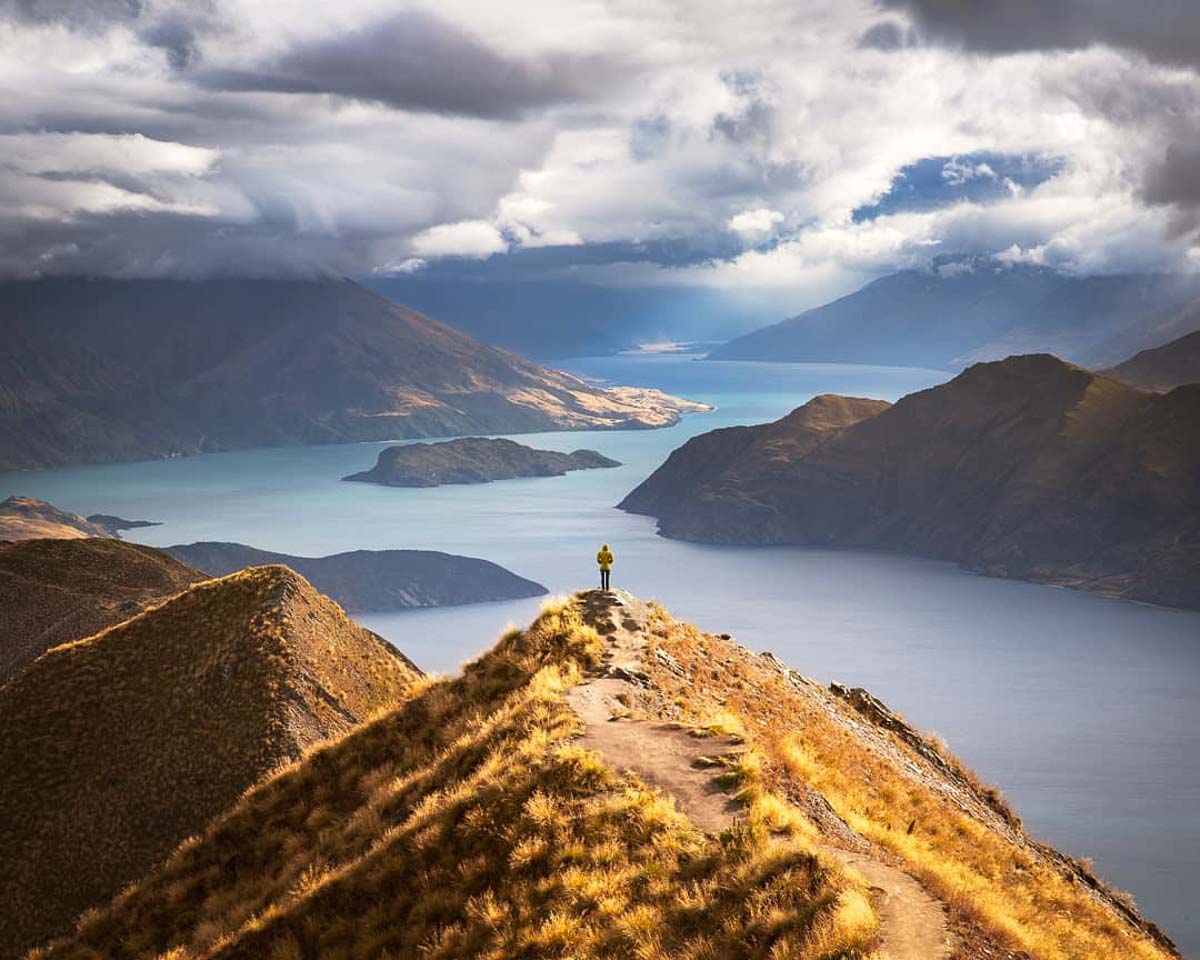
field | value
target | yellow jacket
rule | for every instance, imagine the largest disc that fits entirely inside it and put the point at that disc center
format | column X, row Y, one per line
column 605, row 558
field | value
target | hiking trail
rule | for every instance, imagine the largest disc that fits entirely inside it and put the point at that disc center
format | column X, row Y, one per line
column 912, row 923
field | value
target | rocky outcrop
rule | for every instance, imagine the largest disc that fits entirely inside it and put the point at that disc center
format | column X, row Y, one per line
column 1028, row 467
column 375, row 580
column 473, row 460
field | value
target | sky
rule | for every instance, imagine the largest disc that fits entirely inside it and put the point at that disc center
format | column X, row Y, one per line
column 802, row 146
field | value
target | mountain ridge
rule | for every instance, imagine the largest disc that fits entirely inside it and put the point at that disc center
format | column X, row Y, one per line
column 373, row 580
column 961, row 310
column 27, row 518
column 54, row 591
column 101, row 370
column 1029, row 467
column 476, row 819
column 116, row 747
column 1171, row 365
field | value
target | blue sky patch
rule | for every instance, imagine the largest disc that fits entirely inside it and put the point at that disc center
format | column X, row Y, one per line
column 982, row 177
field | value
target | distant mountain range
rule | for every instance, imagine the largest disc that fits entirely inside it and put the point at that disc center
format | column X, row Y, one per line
column 554, row 319
column 966, row 309
column 97, row 370
column 1027, row 467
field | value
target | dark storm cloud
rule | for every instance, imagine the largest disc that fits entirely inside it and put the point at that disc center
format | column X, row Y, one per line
column 1163, row 30
column 1176, row 179
column 73, row 13
column 174, row 29
column 532, row 262
column 415, row 61
column 886, row 35
column 1164, row 110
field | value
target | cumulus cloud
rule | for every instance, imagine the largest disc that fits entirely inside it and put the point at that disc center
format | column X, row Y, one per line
column 467, row 238
column 756, row 223
column 805, row 146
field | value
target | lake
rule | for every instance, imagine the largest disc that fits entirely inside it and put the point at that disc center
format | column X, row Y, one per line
column 1084, row 710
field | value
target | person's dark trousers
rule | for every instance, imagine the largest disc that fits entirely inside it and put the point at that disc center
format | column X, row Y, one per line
column 604, row 579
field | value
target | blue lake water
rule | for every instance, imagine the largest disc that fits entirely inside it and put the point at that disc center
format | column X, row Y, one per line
column 1086, row 711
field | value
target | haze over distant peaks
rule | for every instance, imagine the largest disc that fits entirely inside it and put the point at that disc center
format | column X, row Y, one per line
column 963, row 309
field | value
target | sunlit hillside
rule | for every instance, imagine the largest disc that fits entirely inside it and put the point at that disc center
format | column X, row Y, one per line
column 488, row 816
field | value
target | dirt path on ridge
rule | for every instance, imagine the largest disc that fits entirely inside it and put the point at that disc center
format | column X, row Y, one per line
column 912, row 923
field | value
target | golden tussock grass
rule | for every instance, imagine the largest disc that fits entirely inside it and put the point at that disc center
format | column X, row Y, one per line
column 802, row 737
column 466, row 823
column 116, row 747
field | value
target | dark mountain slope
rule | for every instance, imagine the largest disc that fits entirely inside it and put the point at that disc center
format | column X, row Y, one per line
column 95, row 370
column 56, row 591
column 115, row 748
column 1027, row 467
column 1161, row 368
column 370, row 580
column 963, row 309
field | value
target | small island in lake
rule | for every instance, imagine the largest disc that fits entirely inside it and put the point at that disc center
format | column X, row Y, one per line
column 473, row 460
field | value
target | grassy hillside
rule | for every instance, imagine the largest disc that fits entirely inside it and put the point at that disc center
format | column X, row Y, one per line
column 861, row 773
column 56, row 591
column 467, row 822
column 116, row 747
column 25, row 518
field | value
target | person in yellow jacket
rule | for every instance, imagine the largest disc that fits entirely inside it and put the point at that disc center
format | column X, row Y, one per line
column 605, row 559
